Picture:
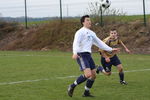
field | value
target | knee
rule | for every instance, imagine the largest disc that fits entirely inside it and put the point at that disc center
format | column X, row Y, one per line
column 93, row 76
column 121, row 70
column 108, row 73
column 88, row 75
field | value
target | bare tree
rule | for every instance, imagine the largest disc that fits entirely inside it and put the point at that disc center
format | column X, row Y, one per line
column 95, row 10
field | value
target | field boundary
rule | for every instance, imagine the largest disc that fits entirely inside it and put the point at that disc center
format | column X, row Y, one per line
column 66, row 77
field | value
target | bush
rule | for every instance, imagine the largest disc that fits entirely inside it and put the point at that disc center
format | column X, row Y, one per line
column 6, row 27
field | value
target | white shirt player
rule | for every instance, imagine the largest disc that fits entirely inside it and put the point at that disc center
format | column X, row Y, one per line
column 84, row 39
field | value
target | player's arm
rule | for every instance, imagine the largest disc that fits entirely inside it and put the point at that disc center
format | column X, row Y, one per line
column 77, row 39
column 99, row 43
column 102, row 45
column 103, row 53
column 127, row 50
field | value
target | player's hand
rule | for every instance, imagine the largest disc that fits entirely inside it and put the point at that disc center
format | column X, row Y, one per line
column 75, row 56
column 115, row 50
column 107, row 59
column 128, row 51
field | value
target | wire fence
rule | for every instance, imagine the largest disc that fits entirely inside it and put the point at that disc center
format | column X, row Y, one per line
column 51, row 8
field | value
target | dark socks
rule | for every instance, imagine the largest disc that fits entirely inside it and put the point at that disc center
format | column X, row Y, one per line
column 89, row 85
column 121, row 75
column 100, row 68
column 79, row 80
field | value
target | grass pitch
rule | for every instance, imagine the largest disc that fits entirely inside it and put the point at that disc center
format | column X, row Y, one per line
column 46, row 76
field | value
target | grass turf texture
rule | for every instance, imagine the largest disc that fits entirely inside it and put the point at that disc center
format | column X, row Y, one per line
column 39, row 74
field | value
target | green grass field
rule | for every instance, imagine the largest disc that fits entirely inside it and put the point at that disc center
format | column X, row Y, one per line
column 44, row 76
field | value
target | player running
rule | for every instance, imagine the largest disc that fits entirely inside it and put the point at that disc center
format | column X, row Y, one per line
column 108, row 59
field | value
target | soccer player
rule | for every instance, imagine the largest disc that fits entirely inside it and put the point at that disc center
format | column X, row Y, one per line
column 108, row 59
column 83, row 41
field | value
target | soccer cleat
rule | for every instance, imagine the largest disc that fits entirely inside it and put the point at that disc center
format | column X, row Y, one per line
column 99, row 69
column 123, row 82
column 87, row 94
column 70, row 91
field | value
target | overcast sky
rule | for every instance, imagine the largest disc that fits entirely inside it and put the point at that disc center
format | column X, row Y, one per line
column 50, row 8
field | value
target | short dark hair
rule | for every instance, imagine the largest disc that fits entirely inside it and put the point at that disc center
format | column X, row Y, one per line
column 83, row 18
column 113, row 29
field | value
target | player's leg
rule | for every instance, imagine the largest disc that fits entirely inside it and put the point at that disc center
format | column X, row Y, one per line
column 107, row 73
column 116, row 62
column 121, row 74
column 106, row 69
column 101, row 69
column 91, row 79
column 120, row 70
column 89, row 84
column 84, row 66
column 82, row 78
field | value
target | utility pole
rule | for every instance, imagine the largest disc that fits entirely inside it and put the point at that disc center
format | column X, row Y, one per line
column 144, row 13
column 101, row 16
column 67, row 11
column 60, row 10
column 26, row 18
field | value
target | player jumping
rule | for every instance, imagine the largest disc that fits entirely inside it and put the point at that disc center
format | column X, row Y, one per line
column 83, row 41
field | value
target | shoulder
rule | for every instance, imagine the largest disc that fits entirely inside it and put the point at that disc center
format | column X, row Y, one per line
column 85, row 31
column 91, row 32
column 106, row 39
column 81, row 30
column 119, row 40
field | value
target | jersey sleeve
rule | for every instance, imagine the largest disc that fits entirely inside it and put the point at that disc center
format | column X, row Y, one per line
column 106, row 40
column 99, row 43
column 77, row 39
column 119, row 41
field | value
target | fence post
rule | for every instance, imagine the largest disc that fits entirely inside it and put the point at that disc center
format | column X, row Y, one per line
column 101, row 16
column 26, row 18
column 144, row 13
column 60, row 10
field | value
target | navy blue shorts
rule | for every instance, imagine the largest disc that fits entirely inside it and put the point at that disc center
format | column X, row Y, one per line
column 85, row 61
column 113, row 61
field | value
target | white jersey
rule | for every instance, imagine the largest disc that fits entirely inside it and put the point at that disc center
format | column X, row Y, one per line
column 84, row 39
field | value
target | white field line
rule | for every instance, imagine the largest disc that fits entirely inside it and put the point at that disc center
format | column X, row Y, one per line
column 19, row 82
column 66, row 77
column 141, row 70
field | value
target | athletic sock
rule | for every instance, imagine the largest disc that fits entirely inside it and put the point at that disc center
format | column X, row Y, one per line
column 100, row 68
column 79, row 80
column 89, row 84
column 121, row 75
